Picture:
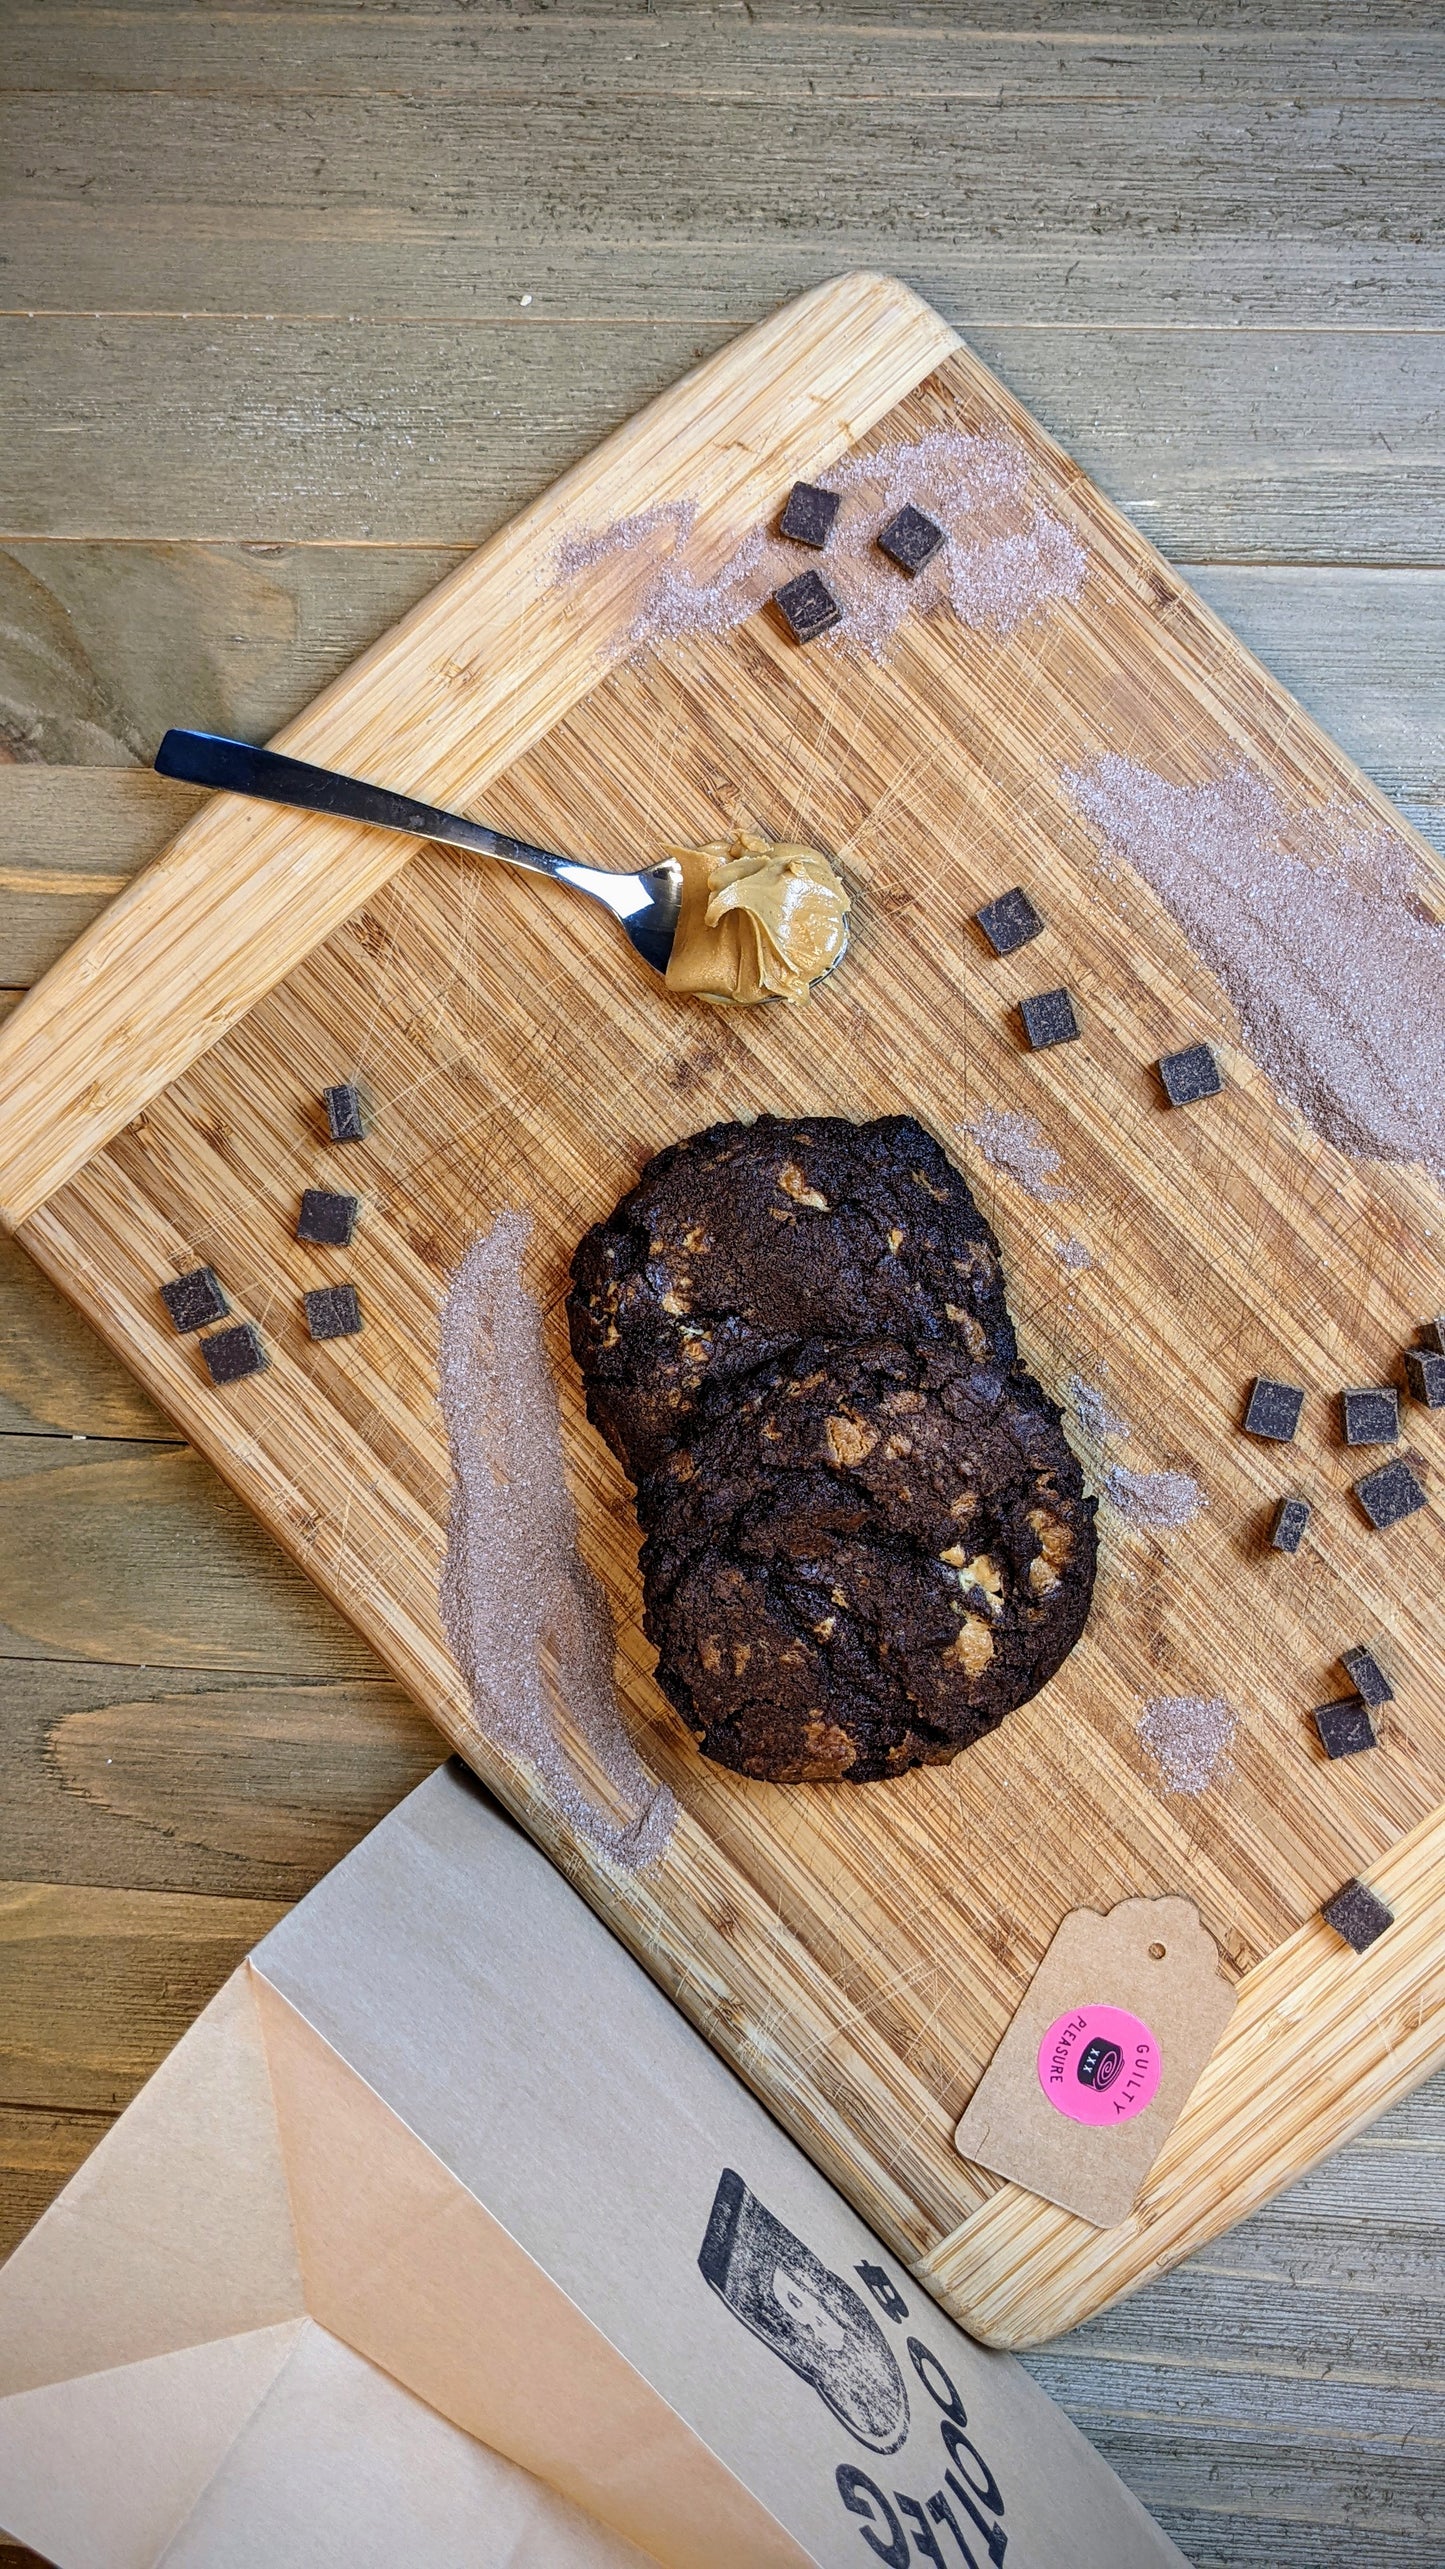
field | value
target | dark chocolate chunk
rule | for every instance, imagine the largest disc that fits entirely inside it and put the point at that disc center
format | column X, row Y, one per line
column 1049, row 1019
column 231, row 1354
column 1389, row 1494
column 1356, row 1915
column 809, row 514
column 195, row 1299
column 327, row 1219
column 1290, row 1519
column 1370, row 1417
column 1010, row 921
column 1425, row 1373
column 343, row 1113
column 1274, row 1409
column 1432, row 1334
column 911, row 540
column 806, row 606
column 332, row 1311
column 1344, row 1727
column 1190, row 1075
column 1366, row 1675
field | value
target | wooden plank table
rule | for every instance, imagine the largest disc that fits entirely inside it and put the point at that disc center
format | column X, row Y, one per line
column 268, row 371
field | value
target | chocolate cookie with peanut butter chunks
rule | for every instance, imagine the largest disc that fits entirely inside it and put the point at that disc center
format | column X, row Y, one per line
column 744, row 1240
column 861, row 1560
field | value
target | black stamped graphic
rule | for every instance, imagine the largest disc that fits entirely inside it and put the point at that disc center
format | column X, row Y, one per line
column 806, row 2314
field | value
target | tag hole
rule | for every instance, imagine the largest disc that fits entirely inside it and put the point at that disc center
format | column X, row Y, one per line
column 1156, row 1953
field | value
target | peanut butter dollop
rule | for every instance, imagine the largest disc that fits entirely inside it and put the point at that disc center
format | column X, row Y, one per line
column 757, row 921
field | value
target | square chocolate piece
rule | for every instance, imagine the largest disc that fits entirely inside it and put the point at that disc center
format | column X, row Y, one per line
column 1390, row 1494
column 195, row 1299
column 1274, row 1410
column 807, row 607
column 343, row 1113
column 332, row 1311
column 1344, row 1727
column 1010, row 921
column 327, row 1219
column 911, row 540
column 1425, row 1374
column 809, row 514
column 1432, row 1333
column 1049, row 1019
column 1290, row 1519
column 1366, row 1675
column 232, row 1354
column 1190, row 1075
column 1356, row 1914
column 1370, row 1418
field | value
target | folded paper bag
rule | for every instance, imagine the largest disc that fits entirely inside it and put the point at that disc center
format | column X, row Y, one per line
column 442, row 2236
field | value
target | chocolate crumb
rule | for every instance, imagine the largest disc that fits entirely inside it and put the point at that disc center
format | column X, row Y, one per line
column 231, row 1354
column 1425, row 1374
column 1370, row 1417
column 1344, row 1727
column 806, row 606
column 1049, row 1019
column 911, row 540
column 1190, row 1075
column 1274, row 1409
column 1356, row 1915
column 809, row 514
column 1390, row 1494
column 327, row 1219
column 194, row 1299
column 1290, row 1519
column 344, row 1118
column 332, row 1311
column 1010, row 921
column 1366, row 1675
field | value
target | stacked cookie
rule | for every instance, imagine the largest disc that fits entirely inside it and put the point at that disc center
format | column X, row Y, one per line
column 866, row 1535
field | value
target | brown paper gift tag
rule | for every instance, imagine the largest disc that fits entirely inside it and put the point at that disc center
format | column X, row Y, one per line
column 1092, row 2074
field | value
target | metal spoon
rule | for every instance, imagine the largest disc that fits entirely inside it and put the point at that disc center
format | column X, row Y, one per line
column 646, row 904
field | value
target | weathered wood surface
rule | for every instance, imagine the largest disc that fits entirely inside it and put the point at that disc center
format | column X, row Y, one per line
column 622, row 172
column 103, row 639
column 1302, row 445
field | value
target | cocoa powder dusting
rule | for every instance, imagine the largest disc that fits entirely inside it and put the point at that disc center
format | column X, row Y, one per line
column 1188, row 1738
column 1006, row 555
column 525, row 1618
column 1013, row 1143
column 1316, row 926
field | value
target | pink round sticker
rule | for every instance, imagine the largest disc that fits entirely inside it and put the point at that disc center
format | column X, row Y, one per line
column 1099, row 2065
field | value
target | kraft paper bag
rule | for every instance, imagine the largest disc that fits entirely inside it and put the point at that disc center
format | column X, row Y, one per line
column 442, row 2236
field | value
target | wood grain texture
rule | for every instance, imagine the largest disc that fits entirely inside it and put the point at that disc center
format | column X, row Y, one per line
column 102, row 645
column 533, row 1065
column 1029, row 170
column 208, row 1780
column 99, row 1985
column 793, row 394
column 1308, row 445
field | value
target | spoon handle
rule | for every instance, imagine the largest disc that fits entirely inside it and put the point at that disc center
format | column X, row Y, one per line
column 235, row 767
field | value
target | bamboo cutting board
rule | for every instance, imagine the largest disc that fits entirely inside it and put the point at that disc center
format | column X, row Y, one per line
column 857, row 1952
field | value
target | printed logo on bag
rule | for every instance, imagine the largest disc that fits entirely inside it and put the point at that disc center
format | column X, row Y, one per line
column 806, row 2314
column 1099, row 2065
column 825, row 2332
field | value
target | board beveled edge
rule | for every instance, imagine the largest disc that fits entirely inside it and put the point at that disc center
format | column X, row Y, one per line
column 1295, row 2075
column 476, row 673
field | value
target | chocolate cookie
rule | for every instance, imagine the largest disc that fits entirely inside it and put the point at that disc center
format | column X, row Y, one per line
column 746, row 1239
column 866, row 1535
column 865, row 1560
